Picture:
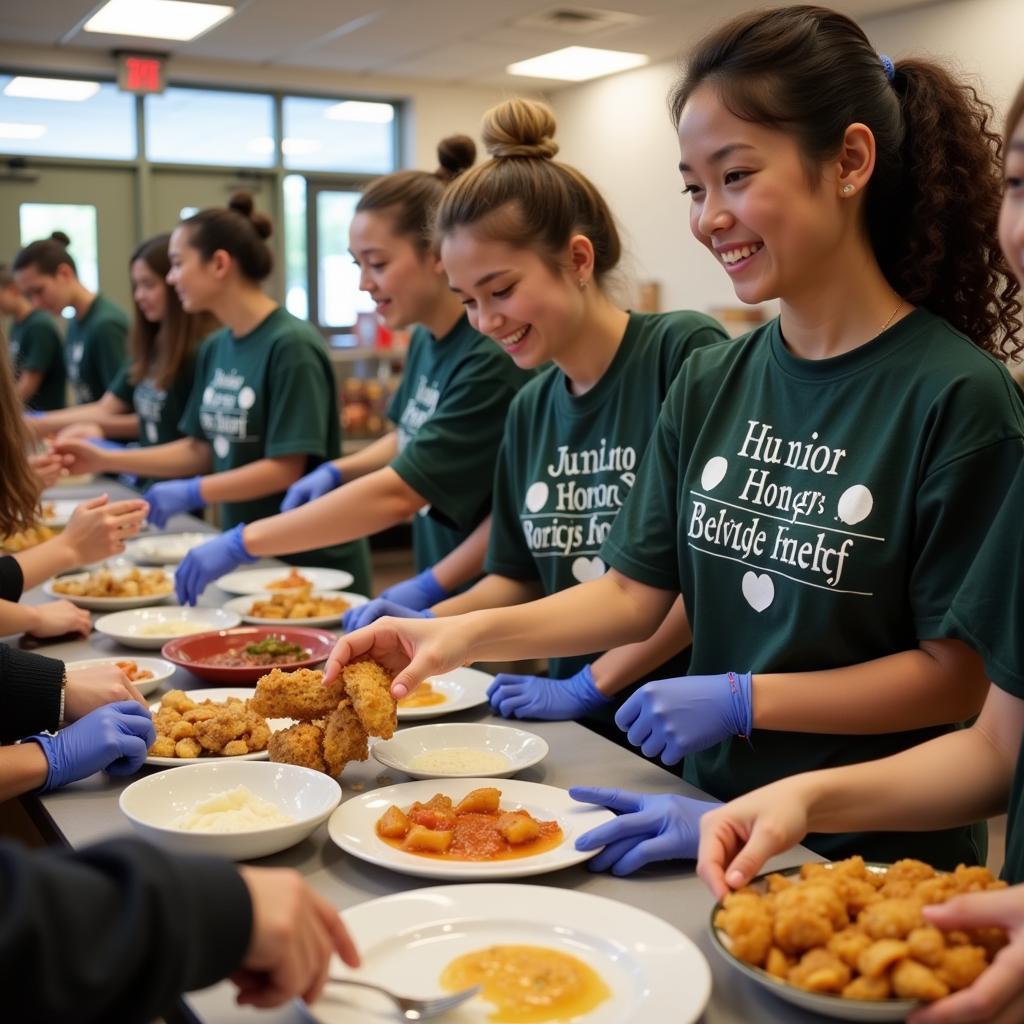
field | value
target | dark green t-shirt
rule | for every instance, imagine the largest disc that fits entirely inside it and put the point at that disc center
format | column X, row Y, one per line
column 36, row 347
column 94, row 349
column 267, row 394
column 450, row 410
column 817, row 514
column 567, row 462
column 159, row 409
column 988, row 615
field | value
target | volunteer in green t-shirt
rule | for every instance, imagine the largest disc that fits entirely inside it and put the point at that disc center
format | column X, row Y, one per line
column 449, row 411
column 35, row 346
column 147, row 398
column 817, row 490
column 575, row 435
column 964, row 776
column 95, row 339
column 262, row 406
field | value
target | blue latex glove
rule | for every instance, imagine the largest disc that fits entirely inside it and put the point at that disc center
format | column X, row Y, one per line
column 420, row 592
column 671, row 718
column 649, row 827
column 552, row 699
column 208, row 562
column 313, row 485
column 169, row 497
column 364, row 614
column 114, row 737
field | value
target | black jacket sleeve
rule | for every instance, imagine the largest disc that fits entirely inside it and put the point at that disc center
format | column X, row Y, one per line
column 12, row 581
column 114, row 932
column 29, row 693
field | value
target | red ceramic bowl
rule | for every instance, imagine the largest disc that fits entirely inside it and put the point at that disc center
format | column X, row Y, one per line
column 190, row 651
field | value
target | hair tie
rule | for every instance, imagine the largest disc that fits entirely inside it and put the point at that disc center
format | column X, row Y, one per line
column 888, row 66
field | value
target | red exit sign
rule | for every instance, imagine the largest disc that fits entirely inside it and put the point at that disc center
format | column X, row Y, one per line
column 140, row 74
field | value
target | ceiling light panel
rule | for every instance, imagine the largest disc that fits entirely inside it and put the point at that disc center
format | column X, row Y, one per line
column 179, row 20
column 27, row 88
column 577, row 64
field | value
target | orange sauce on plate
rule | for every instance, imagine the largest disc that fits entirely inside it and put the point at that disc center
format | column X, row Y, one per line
column 424, row 696
column 476, row 838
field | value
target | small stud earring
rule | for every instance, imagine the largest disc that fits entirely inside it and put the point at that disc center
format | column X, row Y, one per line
column 847, row 189
column 582, row 284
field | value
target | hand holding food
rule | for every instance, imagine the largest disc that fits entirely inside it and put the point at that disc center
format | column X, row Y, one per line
column 98, row 528
column 549, row 699
column 671, row 718
column 78, row 456
column 294, row 933
column 208, row 562
column 169, row 497
column 650, row 827
column 112, row 738
column 47, row 468
column 93, row 686
column 58, row 617
column 364, row 614
column 313, row 485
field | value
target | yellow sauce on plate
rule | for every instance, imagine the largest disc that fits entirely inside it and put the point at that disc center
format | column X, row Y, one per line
column 424, row 696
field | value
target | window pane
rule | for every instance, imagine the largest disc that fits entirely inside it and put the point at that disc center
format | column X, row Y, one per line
column 201, row 126
column 296, row 297
column 100, row 126
column 338, row 277
column 339, row 136
column 78, row 222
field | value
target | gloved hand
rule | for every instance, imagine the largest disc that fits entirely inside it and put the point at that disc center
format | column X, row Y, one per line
column 649, row 827
column 209, row 562
column 420, row 592
column 114, row 737
column 671, row 718
column 551, row 699
column 169, row 497
column 364, row 614
column 315, row 484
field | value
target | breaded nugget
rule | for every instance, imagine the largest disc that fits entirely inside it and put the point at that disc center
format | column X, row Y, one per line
column 849, row 944
column 235, row 748
column 747, row 922
column 176, row 700
column 868, row 988
column 891, row 918
column 301, row 695
column 180, row 729
column 927, row 945
column 911, row 980
column 216, row 732
column 368, row 686
column 163, row 747
column 187, row 748
column 880, row 956
column 820, row 971
column 344, row 738
column 300, row 744
column 961, row 966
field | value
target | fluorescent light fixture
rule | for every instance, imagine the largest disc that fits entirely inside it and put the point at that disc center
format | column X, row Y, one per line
column 16, row 130
column 361, row 110
column 157, row 19
column 27, row 88
column 577, row 63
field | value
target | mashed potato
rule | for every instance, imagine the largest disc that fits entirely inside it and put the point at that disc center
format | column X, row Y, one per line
column 470, row 760
column 235, row 810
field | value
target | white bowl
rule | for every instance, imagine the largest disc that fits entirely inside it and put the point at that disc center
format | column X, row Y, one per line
column 153, row 803
column 161, row 669
column 520, row 749
column 133, row 628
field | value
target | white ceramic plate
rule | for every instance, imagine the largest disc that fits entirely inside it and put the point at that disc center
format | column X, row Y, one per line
column 218, row 695
column 254, row 581
column 63, row 509
column 151, row 804
column 128, row 627
column 825, row 1005
column 165, row 548
column 106, row 604
column 353, row 828
column 655, row 973
column 241, row 606
column 161, row 669
column 462, row 688
column 519, row 748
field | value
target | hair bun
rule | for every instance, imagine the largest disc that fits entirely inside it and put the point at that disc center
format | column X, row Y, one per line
column 243, row 203
column 59, row 236
column 520, row 128
column 455, row 154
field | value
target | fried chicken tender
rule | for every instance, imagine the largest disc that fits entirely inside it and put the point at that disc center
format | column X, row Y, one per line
column 911, row 980
column 747, row 922
column 300, row 744
column 344, row 738
column 368, row 686
column 301, row 695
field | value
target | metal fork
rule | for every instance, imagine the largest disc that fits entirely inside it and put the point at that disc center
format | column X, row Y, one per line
column 415, row 1009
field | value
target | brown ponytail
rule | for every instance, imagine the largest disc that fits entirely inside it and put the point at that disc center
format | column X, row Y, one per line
column 238, row 229
column 524, row 197
column 933, row 200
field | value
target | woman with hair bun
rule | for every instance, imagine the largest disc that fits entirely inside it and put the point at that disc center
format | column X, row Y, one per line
column 817, row 490
column 262, row 407
column 95, row 339
column 449, row 410
column 529, row 246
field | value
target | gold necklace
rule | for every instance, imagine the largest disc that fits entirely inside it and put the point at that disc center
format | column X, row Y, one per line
column 892, row 316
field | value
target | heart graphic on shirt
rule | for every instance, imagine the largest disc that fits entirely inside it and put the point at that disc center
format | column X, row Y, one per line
column 537, row 496
column 758, row 590
column 587, row 569
column 246, row 398
column 713, row 473
column 855, row 504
